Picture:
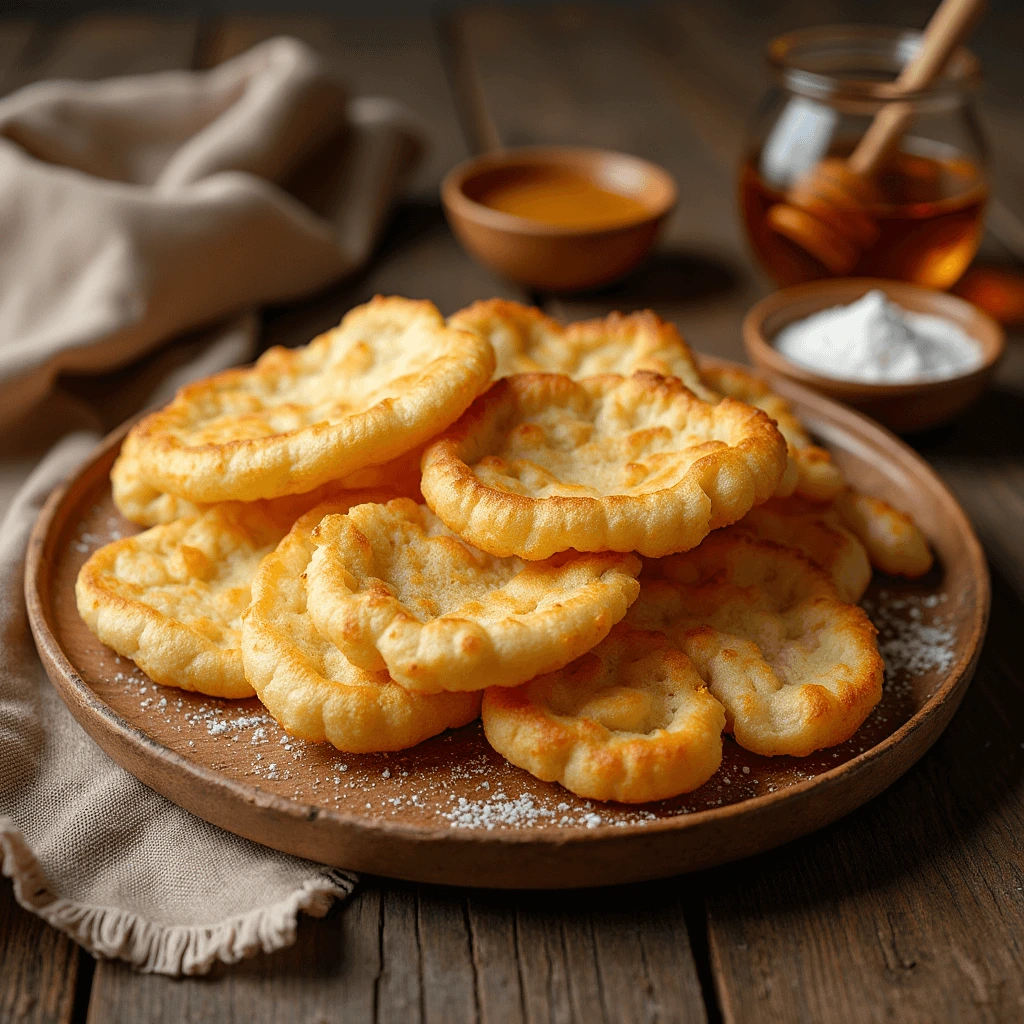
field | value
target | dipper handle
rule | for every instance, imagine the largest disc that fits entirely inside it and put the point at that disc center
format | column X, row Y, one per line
column 948, row 26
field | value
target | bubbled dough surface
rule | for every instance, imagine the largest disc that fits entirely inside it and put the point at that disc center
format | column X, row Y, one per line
column 796, row 668
column 614, row 440
column 541, row 464
column 395, row 588
column 818, row 532
column 527, row 341
column 631, row 721
column 384, row 381
column 308, row 684
column 172, row 598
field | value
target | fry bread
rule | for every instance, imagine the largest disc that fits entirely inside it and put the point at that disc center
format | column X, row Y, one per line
column 527, row 341
column 386, row 380
column 541, row 464
column 171, row 599
column 893, row 541
column 139, row 501
column 796, row 668
column 145, row 505
column 309, row 686
column 818, row 532
column 629, row 721
column 393, row 588
column 813, row 475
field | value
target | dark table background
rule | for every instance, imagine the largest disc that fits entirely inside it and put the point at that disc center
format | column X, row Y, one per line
column 910, row 909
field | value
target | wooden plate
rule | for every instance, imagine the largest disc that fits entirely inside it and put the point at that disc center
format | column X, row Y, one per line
column 451, row 810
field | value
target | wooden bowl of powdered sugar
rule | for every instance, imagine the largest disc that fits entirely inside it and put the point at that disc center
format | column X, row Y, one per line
column 910, row 357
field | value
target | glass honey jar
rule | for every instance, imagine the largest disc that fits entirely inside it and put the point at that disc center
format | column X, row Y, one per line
column 928, row 199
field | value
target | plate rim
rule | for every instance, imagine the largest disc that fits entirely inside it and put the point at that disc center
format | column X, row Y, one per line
column 71, row 684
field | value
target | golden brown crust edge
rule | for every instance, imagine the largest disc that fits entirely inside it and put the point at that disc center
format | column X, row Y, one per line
column 355, row 711
column 169, row 651
column 459, row 650
column 652, row 524
column 643, row 339
column 301, row 460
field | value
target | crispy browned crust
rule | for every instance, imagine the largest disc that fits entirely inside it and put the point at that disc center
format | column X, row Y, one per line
column 629, row 721
column 894, row 542
column 818, row 532
column 171, row 598
column 796, row 667
column 812, row 472
column 217, row 440
column 742, row 469
column 394, row 589
column 308, row 685
column 525, row 340
column 139, row 502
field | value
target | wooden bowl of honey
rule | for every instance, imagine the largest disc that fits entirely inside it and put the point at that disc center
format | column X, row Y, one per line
column 558, row 218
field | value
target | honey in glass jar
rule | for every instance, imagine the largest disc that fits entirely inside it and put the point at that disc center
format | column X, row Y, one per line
column 930, row 196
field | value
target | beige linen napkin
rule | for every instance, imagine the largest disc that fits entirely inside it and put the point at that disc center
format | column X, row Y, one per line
column 130, row 211
column 136, row 208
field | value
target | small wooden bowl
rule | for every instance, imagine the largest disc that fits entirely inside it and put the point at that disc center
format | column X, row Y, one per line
column 904, row 408
column 549, row 256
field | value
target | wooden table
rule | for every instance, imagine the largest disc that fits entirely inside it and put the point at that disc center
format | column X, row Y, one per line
column 911, row 909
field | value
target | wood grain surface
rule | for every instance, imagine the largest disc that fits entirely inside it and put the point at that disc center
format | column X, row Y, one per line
column 909, row 909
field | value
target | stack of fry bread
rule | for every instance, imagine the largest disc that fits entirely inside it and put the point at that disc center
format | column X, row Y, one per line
column 610, row 555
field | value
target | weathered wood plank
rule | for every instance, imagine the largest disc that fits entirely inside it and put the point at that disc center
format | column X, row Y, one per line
column 330, row 974
column 38, row 966
column 98, row 46
column 15, row 38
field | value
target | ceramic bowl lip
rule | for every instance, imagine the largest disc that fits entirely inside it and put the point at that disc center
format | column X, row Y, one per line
column 766, row 318
column 582, row 158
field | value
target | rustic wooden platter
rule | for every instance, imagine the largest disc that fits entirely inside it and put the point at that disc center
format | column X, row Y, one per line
column 451, row 810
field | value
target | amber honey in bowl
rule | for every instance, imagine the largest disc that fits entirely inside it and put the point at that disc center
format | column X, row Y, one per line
column 558, row 218
column 556, row 195
column 929, row 215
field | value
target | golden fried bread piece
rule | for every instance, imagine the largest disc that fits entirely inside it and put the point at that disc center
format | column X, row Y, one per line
column 893, row 541
column 797, row 668
column 386, row 380
column 813, row 474
column 309, row 686
column 139, row 501
column 171, row 599
column 394, row 588
column 631, row 721
column 527, row 341
column 541, row 464
column 145, row 505
column 818, row 532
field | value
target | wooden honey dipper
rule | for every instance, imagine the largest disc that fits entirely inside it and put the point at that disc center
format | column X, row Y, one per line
column 825, row 212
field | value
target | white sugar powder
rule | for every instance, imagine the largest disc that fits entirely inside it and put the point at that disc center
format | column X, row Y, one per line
column 876, row 341
column 908, row 645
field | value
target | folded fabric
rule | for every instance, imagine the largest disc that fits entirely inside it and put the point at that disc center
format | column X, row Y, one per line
column 130, row 211
column 136, row 208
